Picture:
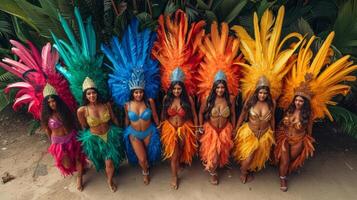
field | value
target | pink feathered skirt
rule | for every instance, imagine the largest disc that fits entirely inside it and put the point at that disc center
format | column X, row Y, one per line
column 67, row 146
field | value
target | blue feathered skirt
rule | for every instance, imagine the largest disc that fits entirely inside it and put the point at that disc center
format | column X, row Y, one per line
column 154, row 147
column 104, row 147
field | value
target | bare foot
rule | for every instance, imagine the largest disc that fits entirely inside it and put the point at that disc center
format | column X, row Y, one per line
column 112, row 186
column 79, row 184
column 174, row 183
column 246, row 178
column 214, row 179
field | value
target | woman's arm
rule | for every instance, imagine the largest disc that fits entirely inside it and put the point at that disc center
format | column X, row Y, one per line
column 154, row 112
column 272, row 120
column 309, row 126
column 162, row 110
column 81, row 113
column 193, row 110
column 233, row 111
column 126, row 115
column 112, row 116
column 242, row 115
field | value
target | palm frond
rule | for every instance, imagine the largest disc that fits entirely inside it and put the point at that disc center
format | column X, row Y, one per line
column 346, row 120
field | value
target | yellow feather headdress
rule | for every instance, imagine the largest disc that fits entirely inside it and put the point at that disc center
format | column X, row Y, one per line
column 220, row 55
column 176, row 48
column 264, row 53
column 311, row 78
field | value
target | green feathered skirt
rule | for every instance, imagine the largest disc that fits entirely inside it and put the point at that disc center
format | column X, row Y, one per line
column 98, row 150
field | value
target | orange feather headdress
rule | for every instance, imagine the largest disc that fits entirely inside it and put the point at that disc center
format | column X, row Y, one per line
column 310, row 78
column 220, row 55
column 176, row 48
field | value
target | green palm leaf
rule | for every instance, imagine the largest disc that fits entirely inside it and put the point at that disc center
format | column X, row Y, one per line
column 346, row 120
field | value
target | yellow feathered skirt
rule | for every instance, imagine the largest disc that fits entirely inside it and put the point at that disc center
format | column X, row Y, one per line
column 216, row 145
column 184, row 135
column 246, row 143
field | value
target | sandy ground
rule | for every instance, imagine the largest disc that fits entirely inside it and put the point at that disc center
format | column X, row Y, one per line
column 330, row 174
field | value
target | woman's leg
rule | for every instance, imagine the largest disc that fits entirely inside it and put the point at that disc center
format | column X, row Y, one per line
column 79, row 167
column 213, row 171
column 109, row 169
column 284, row 162
column 140, row 151
column 244, row 166
column 175, row 165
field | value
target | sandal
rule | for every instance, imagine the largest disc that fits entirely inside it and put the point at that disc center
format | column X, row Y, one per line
column 246, row 178
column 113, row 187
column 283, row 182
column 146, row 177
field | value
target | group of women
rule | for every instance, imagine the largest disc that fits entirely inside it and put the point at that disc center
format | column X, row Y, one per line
column 201, row 75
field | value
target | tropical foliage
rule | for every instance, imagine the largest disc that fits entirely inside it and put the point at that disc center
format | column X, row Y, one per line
column 34, row 20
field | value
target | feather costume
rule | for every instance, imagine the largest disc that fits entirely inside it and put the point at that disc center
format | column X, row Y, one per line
column 133, row 69
column 267, row 66
column 80, row 58
column 311, row 78
column 35, row 70
column 220, row 55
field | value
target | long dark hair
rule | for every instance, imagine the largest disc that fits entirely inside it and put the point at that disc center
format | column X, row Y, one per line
column 184, row 99
column 305, row 113
column 212, row 97
column 62, row 109
column 85, row 101
column 254, row 98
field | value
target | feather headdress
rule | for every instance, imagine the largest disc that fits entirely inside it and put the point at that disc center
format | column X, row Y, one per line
column 80, row 58
column 220, row 55
column 311, row 78
column 36, row 70
column 133, row 67
column 176, row 48
column 264, row 54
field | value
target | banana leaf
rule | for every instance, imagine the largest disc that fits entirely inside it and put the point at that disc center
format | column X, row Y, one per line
column 345, row 119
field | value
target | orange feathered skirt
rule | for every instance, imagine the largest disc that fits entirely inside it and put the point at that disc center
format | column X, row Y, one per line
column 184, row 135
column 307, row 151
column 216, row 145
column 246, row 143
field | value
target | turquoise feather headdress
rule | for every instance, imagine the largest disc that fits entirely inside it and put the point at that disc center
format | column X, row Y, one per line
column 133, row 67
column 80, row 58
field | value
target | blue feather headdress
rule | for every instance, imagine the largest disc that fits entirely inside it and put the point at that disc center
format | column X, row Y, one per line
column 80, row 58
column 133, row 67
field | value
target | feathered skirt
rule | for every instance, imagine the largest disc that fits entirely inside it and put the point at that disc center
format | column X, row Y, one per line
column 246, row 143
column 67, row 146
column 283, row 138
column 100, row 148
column 215, row 145
column 154, row 147
column 184, row 135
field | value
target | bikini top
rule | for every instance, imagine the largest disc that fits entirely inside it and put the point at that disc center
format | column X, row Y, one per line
column 93, row 121
column 256, row 117
column 288, row 121
column 173, row 112
column 223, row 113
column 54, row 123
column 145, row 115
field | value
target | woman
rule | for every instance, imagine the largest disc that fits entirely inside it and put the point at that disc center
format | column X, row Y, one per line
column 218, row 78
column 178, row 135
column 100, row 140
column 134, row 83
column 176, row 50
column 59, row 123
column 141, row 135
column 216, row 116
column 255, row 137
column 294, row 141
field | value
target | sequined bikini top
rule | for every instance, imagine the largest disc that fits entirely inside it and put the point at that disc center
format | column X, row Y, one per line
column 93, row 121
column 54, row 123
column 173, row 112
column 223, row 113
column 256, row 117
column 287, row 120
column 145, row 115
